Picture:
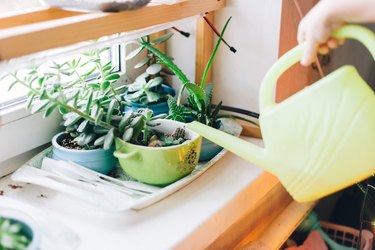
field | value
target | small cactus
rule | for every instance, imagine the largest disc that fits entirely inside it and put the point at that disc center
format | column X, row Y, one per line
column 179, row 133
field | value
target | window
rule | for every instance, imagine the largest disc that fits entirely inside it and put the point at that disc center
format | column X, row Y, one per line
column 17, row 94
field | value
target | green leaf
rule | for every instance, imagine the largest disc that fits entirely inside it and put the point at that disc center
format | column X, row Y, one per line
column 155, row 82
column 134, row 53
column 108, row 141
column 195, row 90
column 111, row 107
column 99, row 116
column 100, row 141
column 154, row 69
column 100, row 130
column 142, row 63
column 89, row 101
column 208, row 66
column 30, row 100
column 125, row 119
column 72, row 94
column 94, row 110
column 89, row 73
column 128, row 134
column 72, row 119
column 161, row 116
column 135, row 96
column 152, row 96
column 51, row 107
column 162, row 39
column 136, row 121
column 94, row 85
column 39, row 106
column 112, row 77
column 83, row 126
column 44, row 95
column 104, row 86
column 63, row 110
column 12, row 85
column 135, row 87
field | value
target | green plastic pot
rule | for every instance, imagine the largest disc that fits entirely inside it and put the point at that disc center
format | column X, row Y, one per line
column 160, row 165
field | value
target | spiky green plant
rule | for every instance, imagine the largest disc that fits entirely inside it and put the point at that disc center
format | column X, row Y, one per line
column 199, row 106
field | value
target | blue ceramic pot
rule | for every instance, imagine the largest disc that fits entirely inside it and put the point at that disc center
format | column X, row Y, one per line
column 157, row 108
column 208, row 150
column 99, row 160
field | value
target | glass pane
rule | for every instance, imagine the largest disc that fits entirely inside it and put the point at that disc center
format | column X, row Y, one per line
column 18, row 92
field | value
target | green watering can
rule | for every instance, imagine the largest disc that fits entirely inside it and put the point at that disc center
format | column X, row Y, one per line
column 320, row 140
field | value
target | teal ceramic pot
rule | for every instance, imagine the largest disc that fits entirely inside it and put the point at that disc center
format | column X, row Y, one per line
column 29, row 227
column 160, row 165
column 157, row 108
column 209, row 150
column 99, row 160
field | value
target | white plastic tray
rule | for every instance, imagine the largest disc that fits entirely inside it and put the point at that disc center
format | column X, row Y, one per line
column 129, row 203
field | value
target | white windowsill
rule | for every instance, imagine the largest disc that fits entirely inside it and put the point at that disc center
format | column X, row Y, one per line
column 164, row 225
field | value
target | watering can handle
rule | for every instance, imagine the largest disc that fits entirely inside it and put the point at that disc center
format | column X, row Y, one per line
column 356, row 32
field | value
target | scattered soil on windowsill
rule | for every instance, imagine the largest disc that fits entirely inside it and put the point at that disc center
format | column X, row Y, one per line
column 14, row 186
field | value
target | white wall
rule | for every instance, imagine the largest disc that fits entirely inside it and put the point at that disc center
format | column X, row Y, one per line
column 254, row 32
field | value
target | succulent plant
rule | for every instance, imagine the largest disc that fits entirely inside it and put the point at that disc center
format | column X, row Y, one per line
column 147, row 86
column 11, row 235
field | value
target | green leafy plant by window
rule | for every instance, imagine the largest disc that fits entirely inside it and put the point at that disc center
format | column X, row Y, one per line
column 92, row 108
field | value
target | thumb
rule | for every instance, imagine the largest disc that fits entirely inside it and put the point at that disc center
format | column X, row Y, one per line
column 309, row 53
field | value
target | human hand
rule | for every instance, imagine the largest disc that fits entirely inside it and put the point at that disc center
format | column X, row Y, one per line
column 315, row 30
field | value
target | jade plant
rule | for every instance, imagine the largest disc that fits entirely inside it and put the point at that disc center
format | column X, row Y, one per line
column 11, row 235
column 147, row 87
column 199, row 105
column 91, row 107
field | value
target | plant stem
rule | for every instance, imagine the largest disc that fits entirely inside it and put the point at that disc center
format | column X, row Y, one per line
column 102, row 76
column 208, row 66
column 167, row 61
column 65, row 106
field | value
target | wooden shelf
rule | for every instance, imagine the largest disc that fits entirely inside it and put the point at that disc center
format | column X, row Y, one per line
column 45, row 29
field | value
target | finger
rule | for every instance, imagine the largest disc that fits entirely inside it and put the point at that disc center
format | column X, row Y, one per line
column 323, row 49
column 308, row 56
column 341, row 41
column 332, row 43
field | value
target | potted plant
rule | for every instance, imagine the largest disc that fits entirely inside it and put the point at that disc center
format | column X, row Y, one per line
column 18, row 231
column 93, row 119
column 199, row 106
column 83, row 91
column 162, row 152
column 149, row 89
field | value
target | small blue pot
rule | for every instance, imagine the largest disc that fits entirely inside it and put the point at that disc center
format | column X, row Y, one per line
column 99, row 160
column 157, row 108
column 208, row 150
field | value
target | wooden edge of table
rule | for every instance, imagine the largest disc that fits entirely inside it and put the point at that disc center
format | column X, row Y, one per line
column 30, row 33
column 263, row 199
column 262, row 216
column 274, row 236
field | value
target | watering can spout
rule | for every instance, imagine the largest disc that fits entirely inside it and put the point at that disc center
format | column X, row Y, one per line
column 246, row 150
